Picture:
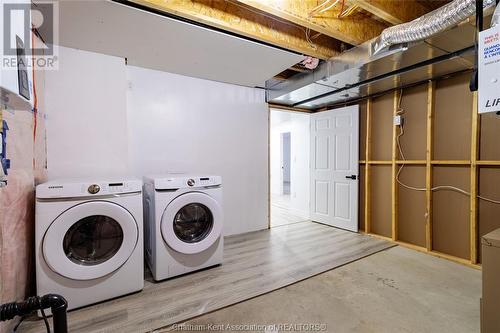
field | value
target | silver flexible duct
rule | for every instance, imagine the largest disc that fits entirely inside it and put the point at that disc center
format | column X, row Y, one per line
column 428, row 25
column 495, row 20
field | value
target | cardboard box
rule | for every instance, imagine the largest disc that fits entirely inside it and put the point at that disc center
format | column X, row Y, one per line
column 490, row 302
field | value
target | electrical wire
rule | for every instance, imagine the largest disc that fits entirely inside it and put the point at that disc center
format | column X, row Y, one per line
column 341, row 9
column 309, row 40
column 313, row 11
column 327, row 8
column 47, row 326
column 489, row 200
column 403, row 165
column 14, row 330
column 348, row 11
column 400, row 111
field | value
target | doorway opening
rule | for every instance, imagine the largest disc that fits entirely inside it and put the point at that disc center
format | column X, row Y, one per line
column 289, row 163
column 314, row 167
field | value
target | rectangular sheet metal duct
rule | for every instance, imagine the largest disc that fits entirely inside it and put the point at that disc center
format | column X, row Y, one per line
column 356, row 73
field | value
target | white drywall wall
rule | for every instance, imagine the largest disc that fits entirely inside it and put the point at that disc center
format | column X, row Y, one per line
column 102, row 124
column 86, row 115
column 298, row 126
column 183, row 124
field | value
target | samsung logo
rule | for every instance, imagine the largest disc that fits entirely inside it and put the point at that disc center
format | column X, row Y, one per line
column 56, row 186
column 492, row 103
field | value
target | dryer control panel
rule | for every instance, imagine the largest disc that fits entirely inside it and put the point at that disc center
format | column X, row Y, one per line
column 167, row 182
column 69, row 189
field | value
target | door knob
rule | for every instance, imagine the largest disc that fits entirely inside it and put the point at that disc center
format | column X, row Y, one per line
column 353, row 177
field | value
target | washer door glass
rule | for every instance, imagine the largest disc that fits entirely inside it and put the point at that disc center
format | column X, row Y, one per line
column 93, row 240
column 193, row 222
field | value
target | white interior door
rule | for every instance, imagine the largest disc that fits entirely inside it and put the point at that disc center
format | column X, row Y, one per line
column 334, row 167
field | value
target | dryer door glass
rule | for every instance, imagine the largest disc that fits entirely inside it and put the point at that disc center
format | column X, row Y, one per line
column 193, row 223
column 93, row 240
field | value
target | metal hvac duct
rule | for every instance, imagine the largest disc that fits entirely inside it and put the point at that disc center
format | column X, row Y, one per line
column 356, row 74
column 496, row 17
column 428, row 25
column 431, row 47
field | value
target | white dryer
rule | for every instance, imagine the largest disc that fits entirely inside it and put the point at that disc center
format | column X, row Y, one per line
column 89, row 240
column 183, row 221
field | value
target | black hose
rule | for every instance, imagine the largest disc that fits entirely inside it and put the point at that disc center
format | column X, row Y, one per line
column 57, row 304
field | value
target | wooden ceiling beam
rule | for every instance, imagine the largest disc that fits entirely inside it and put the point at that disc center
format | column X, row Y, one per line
column 354, row 29
column 239, row 19
column 433, row 4
column 393, row 11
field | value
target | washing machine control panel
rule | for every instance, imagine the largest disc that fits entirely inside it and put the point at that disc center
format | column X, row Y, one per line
column 87, row 189
column 110, row 188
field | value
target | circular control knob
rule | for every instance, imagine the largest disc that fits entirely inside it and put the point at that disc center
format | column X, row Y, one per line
column 93, row 189
column 191, row 182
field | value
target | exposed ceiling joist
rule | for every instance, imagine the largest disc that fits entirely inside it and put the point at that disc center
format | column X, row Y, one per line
column 393, row 11
column 238, row 19
column 433, row 4
column 354, row 29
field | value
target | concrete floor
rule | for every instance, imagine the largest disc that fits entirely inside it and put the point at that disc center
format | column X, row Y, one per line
column 397, row 290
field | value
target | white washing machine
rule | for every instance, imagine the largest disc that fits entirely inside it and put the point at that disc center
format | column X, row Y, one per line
column 89, row 240
column 183, row 221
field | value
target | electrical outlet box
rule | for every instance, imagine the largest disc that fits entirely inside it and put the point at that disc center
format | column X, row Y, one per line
column 398, row 120
column 489, row 70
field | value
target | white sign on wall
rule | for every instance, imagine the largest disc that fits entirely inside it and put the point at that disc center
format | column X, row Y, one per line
column 489, row 70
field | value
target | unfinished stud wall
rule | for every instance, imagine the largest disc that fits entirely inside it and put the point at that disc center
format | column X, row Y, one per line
column 412, row 206
column 445, row 142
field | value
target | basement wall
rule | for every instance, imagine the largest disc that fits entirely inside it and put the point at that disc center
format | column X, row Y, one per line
column 108, row 119
column 445, row 142
column 182, row 124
